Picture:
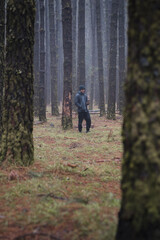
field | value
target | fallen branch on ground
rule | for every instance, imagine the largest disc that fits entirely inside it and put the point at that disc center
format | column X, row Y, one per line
column 31, row 235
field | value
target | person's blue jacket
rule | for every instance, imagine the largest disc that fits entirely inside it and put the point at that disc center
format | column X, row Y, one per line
column 81, row 102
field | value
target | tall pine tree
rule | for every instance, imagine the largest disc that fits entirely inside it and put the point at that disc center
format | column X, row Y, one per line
column 122, row 68
column 112, row 61
column 100, row 60
column 81, row 43
column 53, row 59
column 67, row 47
column 17, row 120
column 42, row 83
column 139, row 217
column 36, row 61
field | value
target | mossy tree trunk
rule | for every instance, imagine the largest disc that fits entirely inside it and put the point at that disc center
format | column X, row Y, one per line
column 100, row 60
column 81, row 44
column 42, row 85
column 112, row 61
column 139, row 216
column 67, row 46
column 17, row 119
column 2, row 30
column 53, row 62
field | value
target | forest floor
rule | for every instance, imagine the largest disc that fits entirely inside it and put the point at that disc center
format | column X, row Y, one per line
column 72, row 191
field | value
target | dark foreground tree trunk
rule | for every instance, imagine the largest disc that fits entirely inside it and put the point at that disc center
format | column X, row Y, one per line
column 67, row 46
column 139, row 217
column 17, row 138
column 2, row 22
column 112, row 61
column 100, row 60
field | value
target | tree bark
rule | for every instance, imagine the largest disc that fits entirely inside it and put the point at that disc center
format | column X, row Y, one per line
column 112, row 61
column 42, row 100
column 67, row 46
column 17, row 120
column 2, row 32
column 139, row 216
column 100, row 60
column 81, row 44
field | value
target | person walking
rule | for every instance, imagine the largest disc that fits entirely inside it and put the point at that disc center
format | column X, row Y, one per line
column 81, row 101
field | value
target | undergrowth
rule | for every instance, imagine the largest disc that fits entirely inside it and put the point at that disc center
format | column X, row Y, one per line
column 73, row 185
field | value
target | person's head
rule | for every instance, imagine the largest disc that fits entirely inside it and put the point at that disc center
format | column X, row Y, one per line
column 82, row 89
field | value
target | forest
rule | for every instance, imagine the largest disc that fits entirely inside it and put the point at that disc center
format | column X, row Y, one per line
column 79, row 119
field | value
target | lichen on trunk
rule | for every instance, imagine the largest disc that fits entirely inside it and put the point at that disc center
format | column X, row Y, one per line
column 2, row 30
column 17, row 120
column 139, row 216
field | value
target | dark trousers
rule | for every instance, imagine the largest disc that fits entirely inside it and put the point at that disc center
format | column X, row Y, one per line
column 84, row 116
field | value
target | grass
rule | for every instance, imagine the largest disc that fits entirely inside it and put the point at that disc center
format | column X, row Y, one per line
column 73, row 188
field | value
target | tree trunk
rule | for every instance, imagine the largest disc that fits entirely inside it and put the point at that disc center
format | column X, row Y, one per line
column 36, row 61
column 17, row 120
column 81, row 44
column 42, row 101
column 139, row 217
column 67, row 46
column 88, row 47
column 47, row 44
column 93, row 41
column 100, row 61
column 53, row 66
column 2, row 31
column 104, row 45
column 108, row 26
column 60, row 52
column 112, row 61
column 74, row 43
column 121, row 54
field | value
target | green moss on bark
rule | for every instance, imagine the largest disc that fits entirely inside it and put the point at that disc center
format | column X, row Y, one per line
column 17, row 138
column 139, row 217
column 2, row 21
column 67, row 123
